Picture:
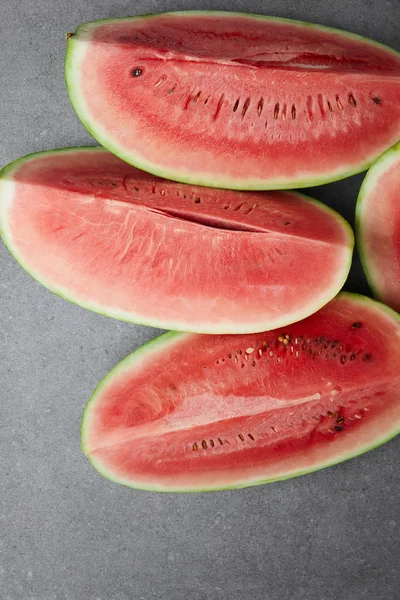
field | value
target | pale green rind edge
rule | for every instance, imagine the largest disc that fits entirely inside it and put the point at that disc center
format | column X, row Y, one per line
column 340, row 277
column 72, row 66
column 171, row 337
column 388, row 158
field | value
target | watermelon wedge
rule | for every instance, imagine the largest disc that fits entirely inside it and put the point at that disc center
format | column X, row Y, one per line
column 189, row 412
column 235, row 101
column 129, row 245
column 378, row 227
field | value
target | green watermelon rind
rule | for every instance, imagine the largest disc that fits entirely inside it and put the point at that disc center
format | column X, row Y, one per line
column 7, row 175
column 77, row 100
column 169, row 338
column 388, row 158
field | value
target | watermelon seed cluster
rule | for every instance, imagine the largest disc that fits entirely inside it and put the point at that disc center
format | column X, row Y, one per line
column 204, row 444
column 278, row 110
column 338, row 427
column 285, row 346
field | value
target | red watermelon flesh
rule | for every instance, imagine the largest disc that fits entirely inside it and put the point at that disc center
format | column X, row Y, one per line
column 378, row 225
column 189, row 412
column 235, row 101
column 130, row 245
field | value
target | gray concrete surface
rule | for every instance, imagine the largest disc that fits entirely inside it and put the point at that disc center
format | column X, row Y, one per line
column 68, row 534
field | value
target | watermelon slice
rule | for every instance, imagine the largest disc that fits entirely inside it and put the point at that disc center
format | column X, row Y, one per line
column 124, row 243
column 378, row 227
column 189, row 412
column 235, row 101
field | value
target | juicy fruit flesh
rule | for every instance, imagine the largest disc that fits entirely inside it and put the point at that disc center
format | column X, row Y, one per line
column 379, row 223
column 194, row 412
column 117, row 240
column 226, row 100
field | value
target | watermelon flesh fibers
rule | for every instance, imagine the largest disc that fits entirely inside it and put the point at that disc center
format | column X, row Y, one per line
column 235, row 101
column 189, row 412
column 132, row 246
column 378, row 226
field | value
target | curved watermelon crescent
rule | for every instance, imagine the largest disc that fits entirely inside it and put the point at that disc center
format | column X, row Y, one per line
column 75, row 55
column 6, row 177
column 169, row 338
column 386, row 160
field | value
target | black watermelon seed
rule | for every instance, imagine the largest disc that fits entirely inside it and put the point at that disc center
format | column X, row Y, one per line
column 338, row 428
column 136, row 72
column 357, row 325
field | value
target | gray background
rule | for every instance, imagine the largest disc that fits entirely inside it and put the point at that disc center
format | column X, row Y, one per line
column 68, row 534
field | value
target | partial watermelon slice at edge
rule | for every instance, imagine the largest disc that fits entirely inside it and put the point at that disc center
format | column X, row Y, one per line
column 126, row 244
column 202, row 413
column 220, row 113
column 378, row 227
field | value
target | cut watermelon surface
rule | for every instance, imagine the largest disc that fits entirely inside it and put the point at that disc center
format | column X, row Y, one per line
column 132, row 246
column 378, row 227
column 235, row 101
column 189, row 412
